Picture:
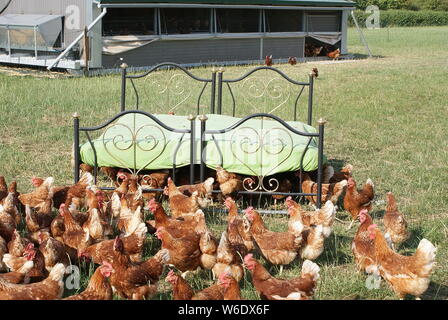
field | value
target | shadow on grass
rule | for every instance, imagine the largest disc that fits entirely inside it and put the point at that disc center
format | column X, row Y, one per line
column 436, row 291
column 333, row 253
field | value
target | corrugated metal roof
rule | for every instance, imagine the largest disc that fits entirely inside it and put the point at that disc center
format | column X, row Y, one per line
column 26, row 20
column 322, row 3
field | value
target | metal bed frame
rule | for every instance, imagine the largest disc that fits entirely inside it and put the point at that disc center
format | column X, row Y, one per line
column 265, row 185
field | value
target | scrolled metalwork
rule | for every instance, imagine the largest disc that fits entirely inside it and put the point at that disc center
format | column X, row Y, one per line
column 248, row 141
column 146, row 138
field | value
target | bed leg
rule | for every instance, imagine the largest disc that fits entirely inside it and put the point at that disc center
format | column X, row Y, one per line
column 76, row 147
column 320, row 162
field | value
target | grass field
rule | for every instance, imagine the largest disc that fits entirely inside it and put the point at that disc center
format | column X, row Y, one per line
column 386, row 116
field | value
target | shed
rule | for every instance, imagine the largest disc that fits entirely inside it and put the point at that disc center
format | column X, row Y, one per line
column 147, row 32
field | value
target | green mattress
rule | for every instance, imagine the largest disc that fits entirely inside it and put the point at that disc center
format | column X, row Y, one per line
column 259, row 147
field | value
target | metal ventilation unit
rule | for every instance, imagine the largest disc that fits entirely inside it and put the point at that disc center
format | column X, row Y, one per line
column 31, row 32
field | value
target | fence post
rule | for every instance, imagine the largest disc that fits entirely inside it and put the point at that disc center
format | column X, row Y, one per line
column 213, row 92
column 203, row 118
column 220, row 72
column 123, row 67
column 192, row 119
column 76, row 146
column 310, row 99
column 320, row 160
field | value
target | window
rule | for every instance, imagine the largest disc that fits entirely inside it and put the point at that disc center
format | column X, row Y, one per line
column 238, row 20
column 128, row 21
column 185, row 21
column 283, row 20
column 323, row 21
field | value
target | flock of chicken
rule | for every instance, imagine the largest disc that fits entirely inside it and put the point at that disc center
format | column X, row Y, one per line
column 108, row 229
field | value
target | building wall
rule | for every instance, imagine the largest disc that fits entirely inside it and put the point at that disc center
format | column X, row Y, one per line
column 73, row 10
column 207, row 51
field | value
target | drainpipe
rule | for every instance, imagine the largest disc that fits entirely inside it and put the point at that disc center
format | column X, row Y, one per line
column 67, row 50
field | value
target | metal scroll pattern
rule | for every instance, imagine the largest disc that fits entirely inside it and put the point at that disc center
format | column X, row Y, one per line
column 170, row 91
column 148, row 139
column 249, row 146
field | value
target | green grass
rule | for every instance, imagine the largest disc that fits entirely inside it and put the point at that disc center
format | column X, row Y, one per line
column 386, row 116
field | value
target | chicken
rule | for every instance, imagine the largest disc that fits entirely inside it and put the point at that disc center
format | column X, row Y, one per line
column 279, row 248
column 76, row 193
column 38, row 197
column 15, row 205
column 405, row 274
column 355, row 199
column 18, row 276
column 48, row 289
column 54, row 252
column 238, row 229
column 154, row 180
column 111, row 173
column 136, row 281
column 183, row 291
column 344, row 174
column 3, row 189
column 36, row 221
column 17, row 245
column 103, row 251
column 394, row 222
column 3, row 251
column 268, row 60
column 130, row 218
column 59, row 194
column 74, row 236
column 330, row 192
column 184, row 252
column 363, row 247
column 229, row 183
column 99, row 287
column 300, row 219
column 7, row 218
column 230, row 287
column 334, row 54
column 292, row 61
column 270, row 288
column 208, row 246
column 285, row 186
column 227, row 260
column 57, row 227
column 181, row 288
column 179, row 203
column 95, row 225
column 295, row 221
column 315, row 72
column 176, row 227
column 84, row 167
column 204, row 191
column 38, row 272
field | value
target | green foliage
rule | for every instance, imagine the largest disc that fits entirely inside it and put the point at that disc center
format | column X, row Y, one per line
column 404, row 4
column 406, row 18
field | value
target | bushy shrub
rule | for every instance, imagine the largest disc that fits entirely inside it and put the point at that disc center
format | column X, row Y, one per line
column 405, row 18
column 404, row 4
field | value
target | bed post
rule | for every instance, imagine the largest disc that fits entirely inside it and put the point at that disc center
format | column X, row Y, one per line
column 212, row 101
column 310, row 99
column 76, row 146
column 220, row 73
column 203, row 118
column 192, row 119
column 320, row 160
column 123, row 67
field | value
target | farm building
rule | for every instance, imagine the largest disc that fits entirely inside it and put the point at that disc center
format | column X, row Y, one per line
column 51, row 33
